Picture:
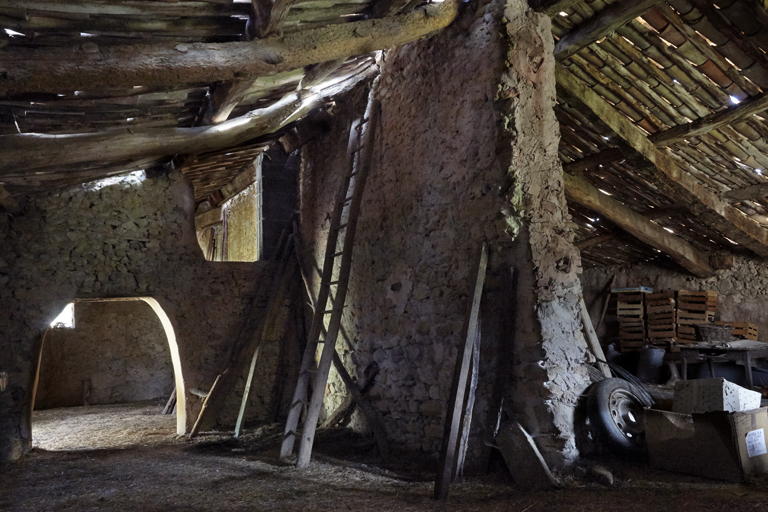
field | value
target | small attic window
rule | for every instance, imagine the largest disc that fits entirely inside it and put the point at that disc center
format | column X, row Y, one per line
column 66, row 319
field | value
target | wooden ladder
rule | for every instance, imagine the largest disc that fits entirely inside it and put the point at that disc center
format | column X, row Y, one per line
column 333, row 289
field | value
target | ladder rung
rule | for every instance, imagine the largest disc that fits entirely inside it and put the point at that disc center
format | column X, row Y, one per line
column 328, row 311
column 298, row 402
column 346, row 200
column 333, row 283
column 295, row 433
column 341, row 226
column 338, row 254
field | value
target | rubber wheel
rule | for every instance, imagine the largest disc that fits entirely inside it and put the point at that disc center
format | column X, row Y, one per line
column 616, row 416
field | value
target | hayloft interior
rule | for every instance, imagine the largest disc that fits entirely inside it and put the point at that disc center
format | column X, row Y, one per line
column 293, row 240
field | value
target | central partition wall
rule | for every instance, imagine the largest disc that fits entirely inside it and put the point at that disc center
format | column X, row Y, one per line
column 466, row 153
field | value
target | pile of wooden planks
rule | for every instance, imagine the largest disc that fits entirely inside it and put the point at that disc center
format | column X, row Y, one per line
column 630, row 310
column 694, row 308
column 744, row 330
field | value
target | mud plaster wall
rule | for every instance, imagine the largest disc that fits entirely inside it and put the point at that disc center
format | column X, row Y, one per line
column 134, row 238
column 742, row 290
column 120, row 348
column 466, row 152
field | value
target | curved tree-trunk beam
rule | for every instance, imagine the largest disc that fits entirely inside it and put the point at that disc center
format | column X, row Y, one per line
column 64, row 70
column 27, row 153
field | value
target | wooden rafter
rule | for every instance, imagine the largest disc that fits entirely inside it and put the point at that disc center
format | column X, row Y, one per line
column 704, row 125
column 581, row 192
column 658, row 213
column 590, row 162
column 595, row 240
column 166, row 64
column 747, row 193
column 607, row 21
column 267, row 16
column 706, row 205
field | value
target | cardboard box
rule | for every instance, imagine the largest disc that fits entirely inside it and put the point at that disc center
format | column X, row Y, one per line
column 707, row 395
column 720, row 445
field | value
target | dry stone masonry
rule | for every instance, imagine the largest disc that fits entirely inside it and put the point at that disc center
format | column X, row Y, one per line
column 130, row 238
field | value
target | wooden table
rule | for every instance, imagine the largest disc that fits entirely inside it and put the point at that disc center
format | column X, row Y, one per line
column 744, row 351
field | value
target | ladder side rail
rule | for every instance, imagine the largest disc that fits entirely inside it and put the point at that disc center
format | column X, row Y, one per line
column 321, row 379
column 308, row 359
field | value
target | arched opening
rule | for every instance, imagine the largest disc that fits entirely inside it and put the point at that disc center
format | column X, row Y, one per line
column 113, row 356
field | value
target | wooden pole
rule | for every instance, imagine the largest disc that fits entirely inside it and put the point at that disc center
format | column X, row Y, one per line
column 605, row 302
column 466, row 420
column 456, row 402
column 592, row 341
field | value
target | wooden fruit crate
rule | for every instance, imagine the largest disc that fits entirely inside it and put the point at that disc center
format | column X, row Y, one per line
column 651, row 297
column 745, row 330
column 697, row 301
column 631, row 346
column 662, row 331
column 633, row 330
column 659, row 307
column 686, row 332
column 662, row 319
column 694, row 317
column 629, row 305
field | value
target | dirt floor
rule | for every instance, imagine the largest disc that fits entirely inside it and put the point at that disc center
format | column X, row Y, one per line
column 128, row 458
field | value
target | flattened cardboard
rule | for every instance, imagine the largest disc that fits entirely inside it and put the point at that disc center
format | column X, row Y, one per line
column 695, row 444
column 712, row 445
column 707, row 395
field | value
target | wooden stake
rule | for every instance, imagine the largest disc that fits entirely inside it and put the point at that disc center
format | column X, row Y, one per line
column 200, row 416
column 171, row 404
column 456, row 403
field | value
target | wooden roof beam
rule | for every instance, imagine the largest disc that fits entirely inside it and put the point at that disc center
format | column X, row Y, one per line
column 706, row 124
column 25, row 154
column 581, row 192
column 703, row 203
column 607, row 21
column 207, row 219
column 58, row 70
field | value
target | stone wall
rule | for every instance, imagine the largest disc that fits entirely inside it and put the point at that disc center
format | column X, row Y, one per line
column 133, row 238
column 119, row 348
column 466, row 153
column 742, row 289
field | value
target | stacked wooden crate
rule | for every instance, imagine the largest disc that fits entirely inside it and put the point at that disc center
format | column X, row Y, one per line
column 630, row 310
column 694, row 308
column 661, row 316
column 744, row 330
